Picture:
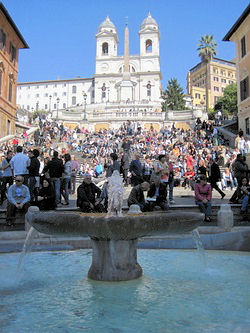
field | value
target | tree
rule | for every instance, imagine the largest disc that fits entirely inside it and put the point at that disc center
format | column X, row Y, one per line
column 228, row 102
column 173, row 96
column 207, row 49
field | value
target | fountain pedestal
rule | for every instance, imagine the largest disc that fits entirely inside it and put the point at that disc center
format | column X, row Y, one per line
column 114, row 260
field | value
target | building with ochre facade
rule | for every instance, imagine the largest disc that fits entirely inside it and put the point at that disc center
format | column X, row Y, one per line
column 11, row 41
column 221, row 73
column 240, row 35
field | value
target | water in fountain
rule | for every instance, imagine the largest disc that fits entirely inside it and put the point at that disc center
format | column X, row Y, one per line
column 26, row 248
column 115, row 194
column 175, row 294
column 199, row 246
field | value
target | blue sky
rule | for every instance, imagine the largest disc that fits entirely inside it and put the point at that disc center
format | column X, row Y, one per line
column 61, row 33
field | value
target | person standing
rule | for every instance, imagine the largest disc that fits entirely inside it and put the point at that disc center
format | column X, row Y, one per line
column 215, row 177
column 34, row 173
column 74, row 168
column 125, row 167
column 114, row 166
column 66, row 178
column 136, row 171
column 19, row 164
column 240, row 169
column 55, row 168
column 7, row 175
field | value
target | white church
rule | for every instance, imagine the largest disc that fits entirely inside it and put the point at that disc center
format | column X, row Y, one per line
column 123, row 88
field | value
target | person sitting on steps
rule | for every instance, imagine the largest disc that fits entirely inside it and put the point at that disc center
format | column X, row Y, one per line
column 203, row 196
column 18, row 199
column 88, row 196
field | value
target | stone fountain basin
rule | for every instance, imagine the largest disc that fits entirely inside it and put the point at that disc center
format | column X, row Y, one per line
column 99, row 226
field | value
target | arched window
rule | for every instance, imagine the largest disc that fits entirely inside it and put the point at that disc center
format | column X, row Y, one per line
column 105, row 48
column 73, row 89
column 148, row 45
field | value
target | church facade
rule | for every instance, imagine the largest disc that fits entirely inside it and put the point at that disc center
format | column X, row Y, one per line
column 123, row 88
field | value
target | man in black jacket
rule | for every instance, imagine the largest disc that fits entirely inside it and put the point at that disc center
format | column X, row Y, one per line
column 87, row 196
column 33, row 173
column 55, row 168
column 136, row 170
column 136, row 196
column 157, row 195
column 215, row 176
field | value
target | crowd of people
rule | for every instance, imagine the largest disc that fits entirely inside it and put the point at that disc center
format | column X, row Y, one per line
column 43, row 170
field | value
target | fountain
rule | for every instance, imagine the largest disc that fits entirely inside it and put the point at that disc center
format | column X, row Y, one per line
column 180, row 291
column 114, row 236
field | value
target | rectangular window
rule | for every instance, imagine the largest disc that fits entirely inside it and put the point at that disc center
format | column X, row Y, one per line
column 103, row 94
column 222, row 89
column 28, row 107
column 197, row 95
column 54, row 106
column 216, row 78
column 37, row 95
column 243, row 47
column 64, row 105
column 55, row 94
column 55, row 85
column 223, row 80
column 46, row 95
column 10, row 92
column 64, row 93
column 73, row 89
column 64, row 84
column 215, row 99
column 73, row 100
column 216, row 88
column 244, row 89
column 46, row 106
column 12, row 52
column 230, row 82
column 2, row 39
column 247, row 126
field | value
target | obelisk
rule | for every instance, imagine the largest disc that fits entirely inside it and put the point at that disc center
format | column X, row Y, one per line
column 126, row 85
column 126, row 74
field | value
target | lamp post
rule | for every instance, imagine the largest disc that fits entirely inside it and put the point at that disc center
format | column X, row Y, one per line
column 85, row 99
column 50, row 103
column 57, row 101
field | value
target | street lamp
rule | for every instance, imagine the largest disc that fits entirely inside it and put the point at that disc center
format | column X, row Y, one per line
column 85, row 99
column 57, row 100
column 50, row 103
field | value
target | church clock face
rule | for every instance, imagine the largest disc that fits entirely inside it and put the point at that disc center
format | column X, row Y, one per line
column 105, row 67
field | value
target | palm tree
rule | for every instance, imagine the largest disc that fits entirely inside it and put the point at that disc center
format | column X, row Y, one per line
column 207, row 49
